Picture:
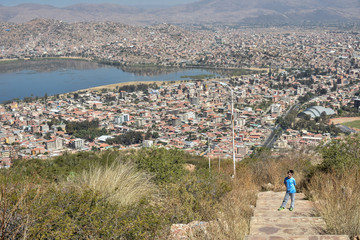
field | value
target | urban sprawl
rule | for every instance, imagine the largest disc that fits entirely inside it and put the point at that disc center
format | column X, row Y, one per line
column 301, row 79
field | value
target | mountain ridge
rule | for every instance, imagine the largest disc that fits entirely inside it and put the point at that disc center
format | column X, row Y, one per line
column 203, row 11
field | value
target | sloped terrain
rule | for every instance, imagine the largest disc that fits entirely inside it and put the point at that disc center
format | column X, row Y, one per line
column 301, row 223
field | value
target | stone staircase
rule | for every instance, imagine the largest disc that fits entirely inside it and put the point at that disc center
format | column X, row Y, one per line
column 302, row 223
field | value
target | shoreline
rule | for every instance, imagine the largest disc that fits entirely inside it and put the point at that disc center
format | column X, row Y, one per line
column 114, row 85
column 115, row 63
column 12, row 62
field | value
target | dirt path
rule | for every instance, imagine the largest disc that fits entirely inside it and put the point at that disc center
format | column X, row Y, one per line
column 302, row 223
column 343, row 119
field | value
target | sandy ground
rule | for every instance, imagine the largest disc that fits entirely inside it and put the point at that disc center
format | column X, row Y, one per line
column 343, row 120
column 112, row 86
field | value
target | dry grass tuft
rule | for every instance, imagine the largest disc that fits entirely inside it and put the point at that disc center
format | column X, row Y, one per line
column 272, row 170
column 337, row 198
column 120, row 183
column 235, row 210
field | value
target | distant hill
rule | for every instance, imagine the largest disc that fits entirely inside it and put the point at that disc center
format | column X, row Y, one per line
column 203, row 11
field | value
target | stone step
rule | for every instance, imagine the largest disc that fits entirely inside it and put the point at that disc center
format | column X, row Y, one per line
column 275, row 195
column 302, row 223
column 298, row 237
column 286, row 220
column 277, row 202
column 287, row 226
column 286, row 213
column 275, row 207
column 298, row 228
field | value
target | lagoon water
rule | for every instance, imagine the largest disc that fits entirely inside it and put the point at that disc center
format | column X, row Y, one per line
column 37, row 78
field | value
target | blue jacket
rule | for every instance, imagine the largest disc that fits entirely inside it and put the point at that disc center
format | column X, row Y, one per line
column 290, row 185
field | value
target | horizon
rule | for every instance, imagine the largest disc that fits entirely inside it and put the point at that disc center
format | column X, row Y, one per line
column 64, row 3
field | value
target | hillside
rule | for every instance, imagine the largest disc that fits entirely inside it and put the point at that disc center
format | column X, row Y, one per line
column 152, row 193
column 200, row 12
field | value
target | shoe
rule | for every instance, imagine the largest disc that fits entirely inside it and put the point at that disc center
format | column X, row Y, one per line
column 291, row 209
column 281, row 208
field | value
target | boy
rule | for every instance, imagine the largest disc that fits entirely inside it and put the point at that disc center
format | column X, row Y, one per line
column 290, row 184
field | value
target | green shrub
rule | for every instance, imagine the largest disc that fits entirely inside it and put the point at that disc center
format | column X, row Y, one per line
column 59, row 168
column 341, row 154
column 166, row 165
column 84, row 195
column 196, row 197
column 57, row 212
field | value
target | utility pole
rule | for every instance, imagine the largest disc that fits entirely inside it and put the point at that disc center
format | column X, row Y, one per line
column 209, row 153
column 219, row 163
column 232, row 124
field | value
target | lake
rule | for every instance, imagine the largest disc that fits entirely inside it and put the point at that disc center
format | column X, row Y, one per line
column 37, row 78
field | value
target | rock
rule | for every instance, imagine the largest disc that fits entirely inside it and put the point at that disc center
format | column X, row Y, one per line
column 267, row 187
column 179, row 231
column 190, row 167
column 187, row 231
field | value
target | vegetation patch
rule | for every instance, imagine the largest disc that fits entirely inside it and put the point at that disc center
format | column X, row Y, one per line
column 139, row 194
column 353, row 124
column 120, row 183
column 198, row 77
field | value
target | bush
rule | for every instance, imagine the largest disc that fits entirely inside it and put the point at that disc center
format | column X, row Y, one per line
column 166, row 165
column 60, row 168
column 108, row 196
column 15, row 200
column 334, row 185
column 337, row 198
column 341, row 155
column 196, row 197
column 63, row 212
column 235, row 209
column 270, row 169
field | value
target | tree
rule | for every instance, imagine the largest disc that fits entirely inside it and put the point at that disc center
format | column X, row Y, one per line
column 334, row 88
column 47, row 136
column 323, row 117
column 129, row 138
column 341, row 154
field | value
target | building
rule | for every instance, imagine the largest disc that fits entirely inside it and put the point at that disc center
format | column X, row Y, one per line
column 316, row 111
column 276, row 108
column 56, row 144
column 78, row 143
column 148, row 143
column 123, row 94
column 357, row 103
column 194, row 100
column 44, row 128
column 121, row 118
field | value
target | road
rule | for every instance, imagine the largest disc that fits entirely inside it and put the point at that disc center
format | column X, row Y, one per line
column 277, row 130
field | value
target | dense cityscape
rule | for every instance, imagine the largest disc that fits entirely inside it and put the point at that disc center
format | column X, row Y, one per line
column 165, row 44
column 190, row 115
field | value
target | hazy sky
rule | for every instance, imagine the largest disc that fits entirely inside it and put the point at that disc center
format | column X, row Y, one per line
column 62, row 3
